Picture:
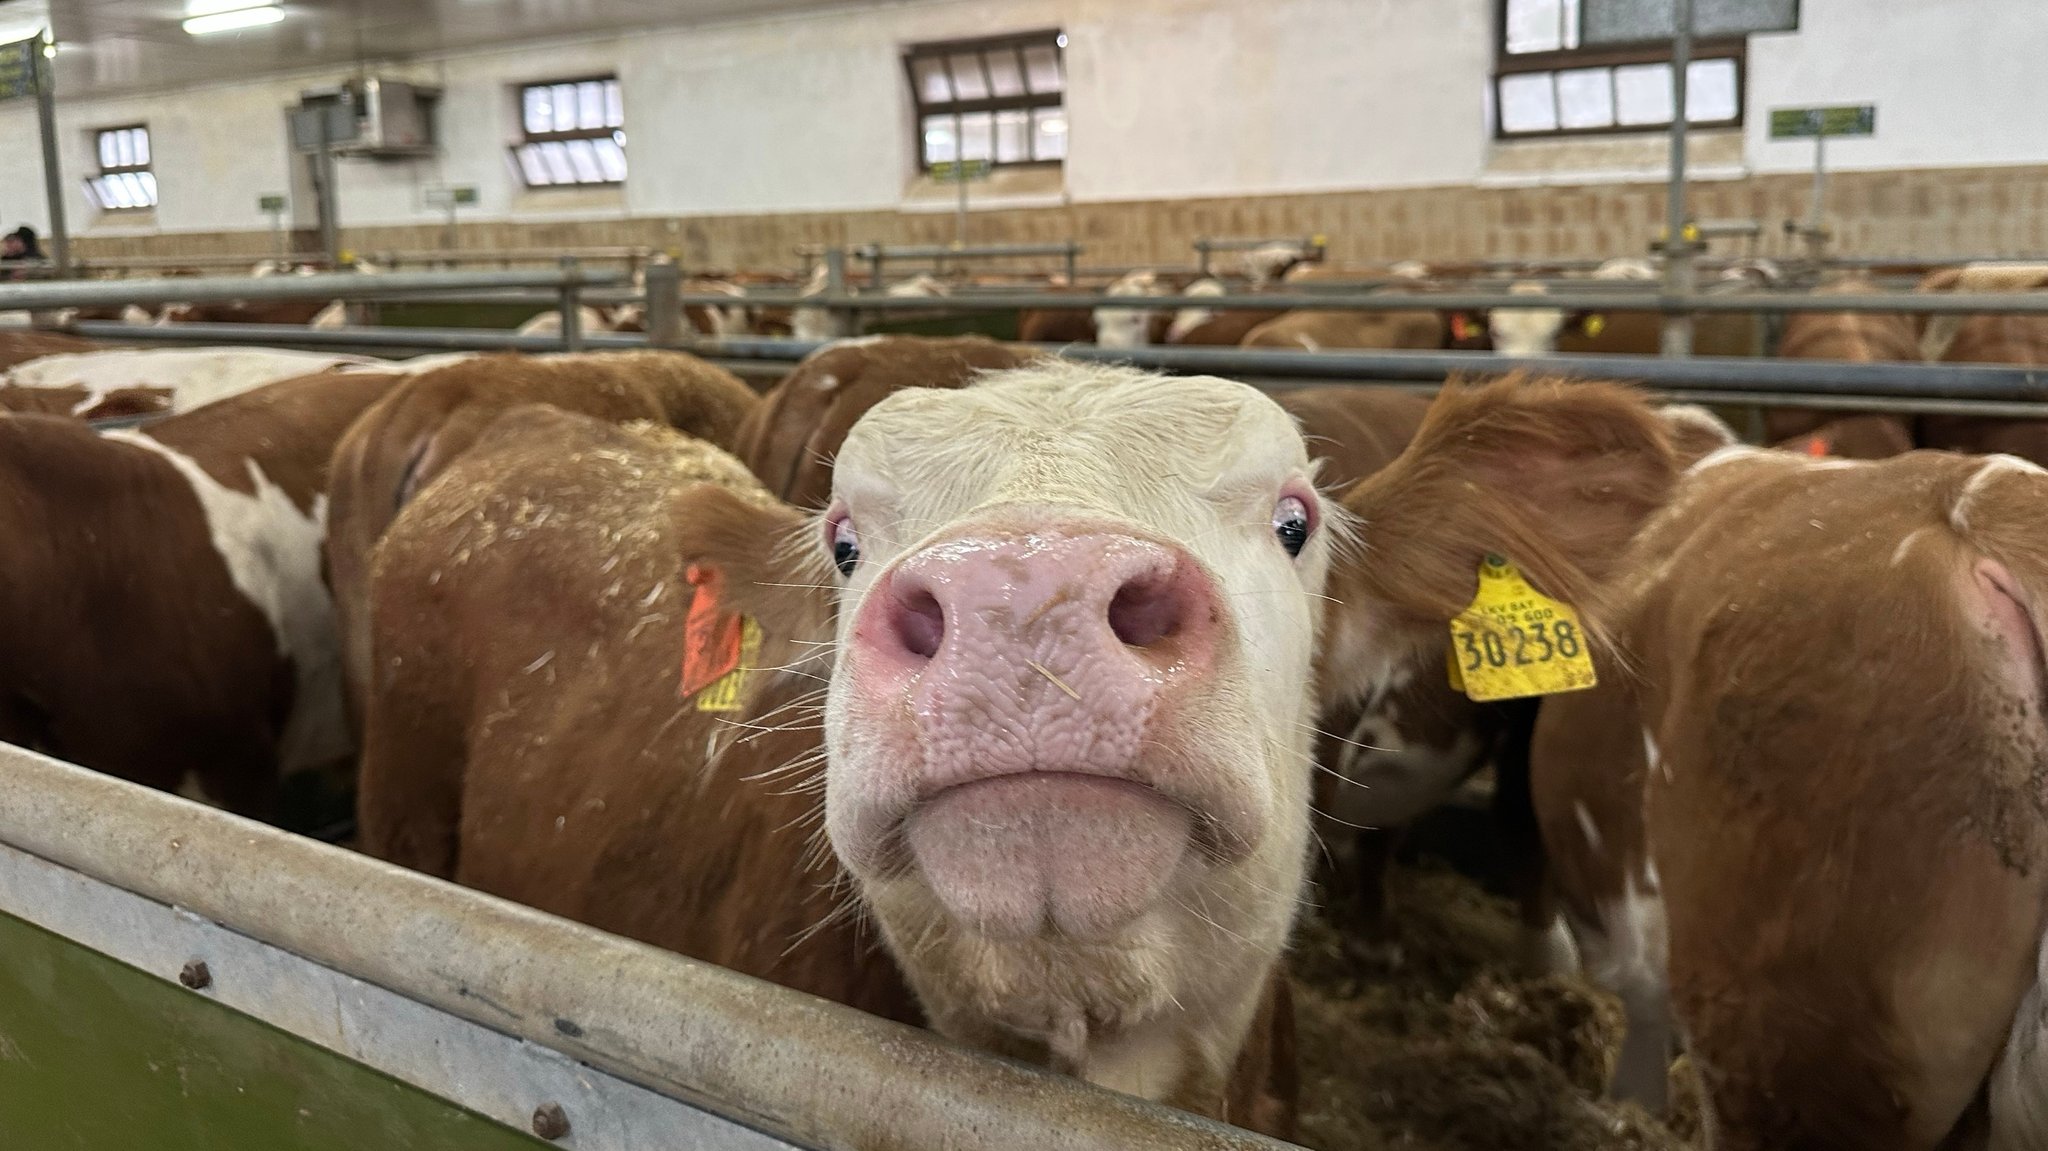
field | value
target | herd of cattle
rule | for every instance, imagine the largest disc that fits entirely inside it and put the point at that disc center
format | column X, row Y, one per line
column 1006, row 695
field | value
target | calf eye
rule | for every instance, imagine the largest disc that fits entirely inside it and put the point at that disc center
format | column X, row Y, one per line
column 845, row 547
column 1291, row 524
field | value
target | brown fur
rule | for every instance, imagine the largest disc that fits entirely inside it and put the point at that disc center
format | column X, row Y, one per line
column 1313, row 330
column 1849, row 930
column 1226, row 329
column 124, row 645
column 298, row 312
column 1853, row 438
column 1857, row 337
column 791, row 438
column 402, row 443
column 21, row 347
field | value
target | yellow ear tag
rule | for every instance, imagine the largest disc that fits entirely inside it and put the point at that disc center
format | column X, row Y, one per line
column 728, row 692
column 1514, row 641
column 1595, row 324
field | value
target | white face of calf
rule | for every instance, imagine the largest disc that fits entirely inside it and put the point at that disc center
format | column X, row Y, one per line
column 1068, row 726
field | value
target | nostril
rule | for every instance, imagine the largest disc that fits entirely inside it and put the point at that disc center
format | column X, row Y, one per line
column 1146, row 610
column 920, row 622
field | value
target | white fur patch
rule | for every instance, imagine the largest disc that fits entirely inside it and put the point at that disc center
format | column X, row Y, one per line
column 272, row 553
column 1588, row 828
column 1906, row 545
column 194, row 376
column 1654, row 761
column 1958, row 516
column 1729, row 454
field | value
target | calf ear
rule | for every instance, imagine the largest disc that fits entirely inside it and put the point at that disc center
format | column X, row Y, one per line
column 1555, row 475
column 774, row 568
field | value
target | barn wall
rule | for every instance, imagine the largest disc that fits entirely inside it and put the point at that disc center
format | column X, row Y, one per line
column 1362, row 119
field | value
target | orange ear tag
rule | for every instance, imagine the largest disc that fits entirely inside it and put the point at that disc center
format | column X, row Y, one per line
column 1816, row 446
column 1461, row 328
column 717, row 648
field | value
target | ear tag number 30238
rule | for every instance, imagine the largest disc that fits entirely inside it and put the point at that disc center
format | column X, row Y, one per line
column 1514, row 641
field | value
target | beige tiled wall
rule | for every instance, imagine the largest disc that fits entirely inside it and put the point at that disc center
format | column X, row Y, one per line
column 1919, row 212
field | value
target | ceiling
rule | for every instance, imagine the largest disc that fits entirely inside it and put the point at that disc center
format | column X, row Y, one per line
column 116, row 46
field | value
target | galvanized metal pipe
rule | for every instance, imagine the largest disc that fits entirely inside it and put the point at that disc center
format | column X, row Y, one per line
column 327, row 286
column 1931, row 303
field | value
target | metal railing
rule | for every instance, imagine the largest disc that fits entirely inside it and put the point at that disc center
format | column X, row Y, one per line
column 634, row 258
column 304, row 920
column 1314, row 247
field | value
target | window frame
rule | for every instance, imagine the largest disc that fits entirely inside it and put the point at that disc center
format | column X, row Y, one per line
column 1613, row 56
column 528, row 137
column 146, row 168
column 1027, row 101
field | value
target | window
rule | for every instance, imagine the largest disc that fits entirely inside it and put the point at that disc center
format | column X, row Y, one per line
column 1546, row 83
column 998, row 99
column 125, row 182
column 575, row 133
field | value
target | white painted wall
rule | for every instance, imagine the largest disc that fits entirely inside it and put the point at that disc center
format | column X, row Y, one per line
column 1166, row 98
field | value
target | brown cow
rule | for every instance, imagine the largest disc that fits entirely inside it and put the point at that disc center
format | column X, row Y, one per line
column 1314, row 330
column 1987, row 339
column 162, row 613
column 789, row 440
column 1001, row 813
column 402, row 443
column 22, row 346
column 1808, row 784
column 1856, row 337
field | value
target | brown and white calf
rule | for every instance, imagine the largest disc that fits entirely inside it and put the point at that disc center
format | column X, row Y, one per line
column 1987, row 339
column 410, row 436
column 1804, row 805
column 791, row 438
column 1855, row 337
column 113, row 381
column 1065, row 753
column 162, row 612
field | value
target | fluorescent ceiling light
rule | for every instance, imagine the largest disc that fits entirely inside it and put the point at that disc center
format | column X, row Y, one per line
column 235, row 18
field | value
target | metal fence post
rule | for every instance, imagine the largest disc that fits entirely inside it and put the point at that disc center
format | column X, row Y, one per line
column 1073, row 262
column 1678, row 246
column 572, row 305
column 664, row 309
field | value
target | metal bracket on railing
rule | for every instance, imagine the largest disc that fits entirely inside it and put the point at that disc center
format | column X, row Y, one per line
column 664, row 304
column 572, row 305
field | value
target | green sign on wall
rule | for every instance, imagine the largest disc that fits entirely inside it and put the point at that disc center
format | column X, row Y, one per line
column 1848, row 120
column 954, row 171
column 18, row 69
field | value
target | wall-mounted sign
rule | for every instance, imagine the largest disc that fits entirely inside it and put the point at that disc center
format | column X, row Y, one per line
column 1847, row 120
column 18, row 69
column 451, row 196
column 956, row 171
column 271, row 204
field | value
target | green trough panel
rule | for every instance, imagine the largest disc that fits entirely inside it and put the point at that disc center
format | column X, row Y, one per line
column 97, row 1056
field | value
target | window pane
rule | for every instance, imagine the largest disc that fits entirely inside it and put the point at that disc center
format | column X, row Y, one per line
column 107, row 149
column 148, row 182
column 1535, row 25
column 124, row 149
column 1528, row 103
column 1042, row 68
column 119, row 193
column 940, row 144
column 977, row 136
column 590, row 104
column 1585, row 98
column 1005, row 72
column 1642, row 94
column 1710, row 91
column 968, row 82
column 583, row 158
column 1013, row 137
column 530, row 165
column 93, row 195
column 932, row 85
column 614, row 105
column 142, row 146
column 611, row 158
column 539, row 109
column 564, row 101
column 1049, row 134
column 557, row 159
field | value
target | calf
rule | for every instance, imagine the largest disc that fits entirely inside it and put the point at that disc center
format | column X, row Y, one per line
column 162, row 613
column 1987, row 339
column 1856, row 337
column 1314, row 330
column 791, row 438
column 1065, row 756
column 412, row 435
column 21, row 347
column 1803, row 804
column 187, row 377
